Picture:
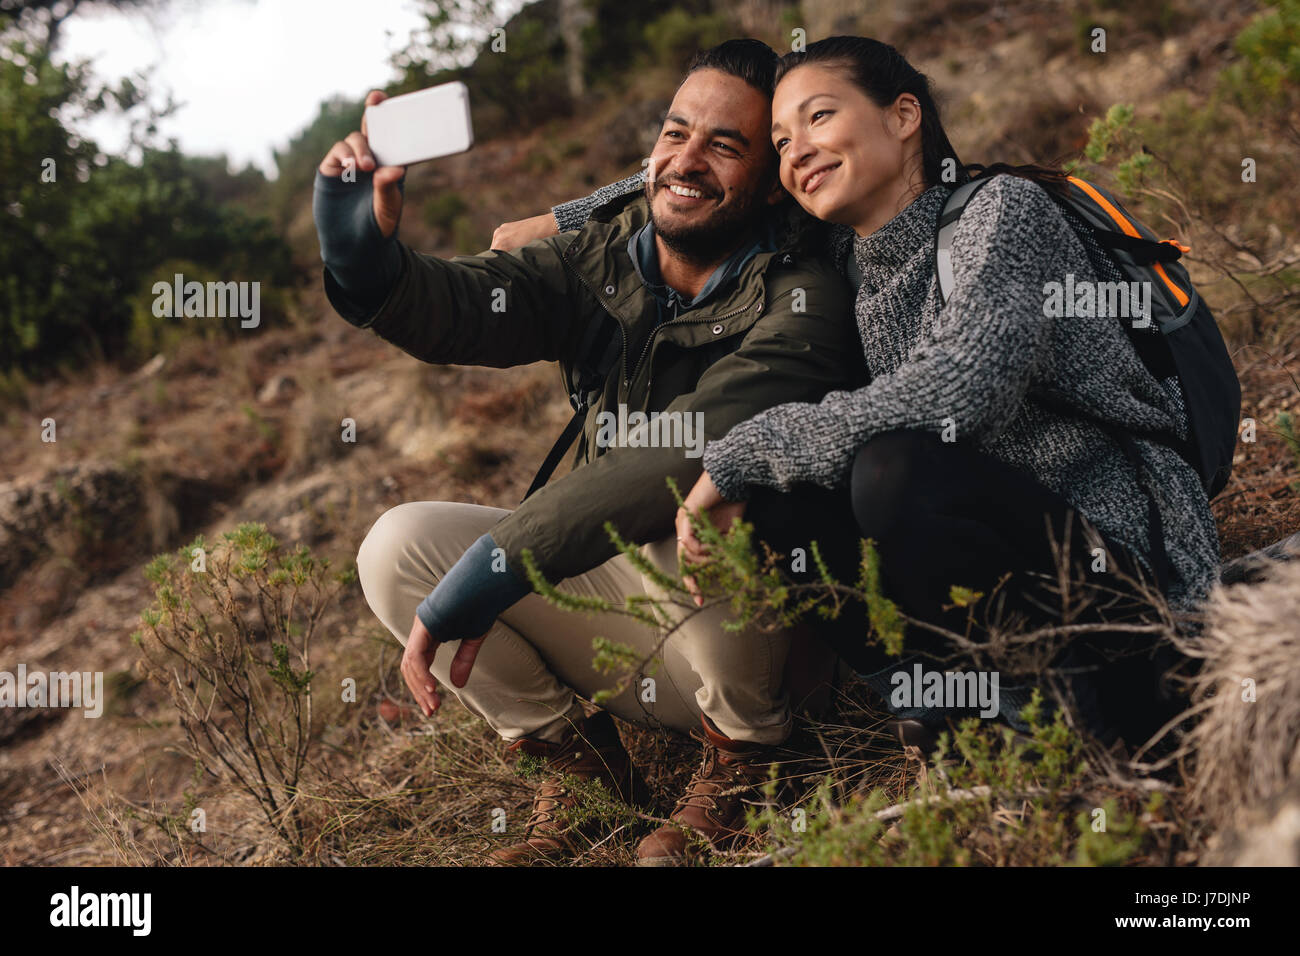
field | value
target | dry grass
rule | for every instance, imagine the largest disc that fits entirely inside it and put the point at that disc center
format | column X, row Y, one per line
column 1245, row 746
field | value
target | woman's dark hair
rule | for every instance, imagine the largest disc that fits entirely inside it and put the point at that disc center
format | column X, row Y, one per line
column 750, row 60
column 883, row 74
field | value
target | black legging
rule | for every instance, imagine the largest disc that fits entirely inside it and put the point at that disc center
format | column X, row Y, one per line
column 944, row 514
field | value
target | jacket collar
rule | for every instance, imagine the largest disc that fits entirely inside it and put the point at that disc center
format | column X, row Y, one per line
column 644, row 254
column 600, row 255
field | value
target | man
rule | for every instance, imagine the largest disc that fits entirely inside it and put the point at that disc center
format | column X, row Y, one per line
column 720, row 313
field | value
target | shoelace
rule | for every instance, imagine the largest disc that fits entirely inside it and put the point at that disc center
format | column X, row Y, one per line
column 546, row 800
column 706, row 788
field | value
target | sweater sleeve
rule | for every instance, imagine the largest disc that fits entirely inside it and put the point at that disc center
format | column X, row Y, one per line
column 970, row 373
column 363, row 263
column 573, row 214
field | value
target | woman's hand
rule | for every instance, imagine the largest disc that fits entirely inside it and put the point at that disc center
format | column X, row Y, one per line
column 703, row 497
column 511, row 235
column 418, row 658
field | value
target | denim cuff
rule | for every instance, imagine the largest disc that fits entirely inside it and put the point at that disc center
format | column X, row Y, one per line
column 470, row 596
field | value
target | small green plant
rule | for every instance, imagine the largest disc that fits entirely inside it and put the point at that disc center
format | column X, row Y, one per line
column 989, row 796
column 591, row 801
column 1286, row 428
column 265, row 430
column 758, row 591
column 677, row 34
column 1106, row 131
column 229, row 637
column 1115, row 844
column 1268, row 71
column 442, row 211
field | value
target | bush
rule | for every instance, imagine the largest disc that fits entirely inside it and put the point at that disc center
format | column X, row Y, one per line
column 230, row 639
column 84, row 231
column 990, row 796
column 1268, row 73
column 673, row 38
column 987, row 797
column 442, row 210
column 449, row 214
column 149, row 334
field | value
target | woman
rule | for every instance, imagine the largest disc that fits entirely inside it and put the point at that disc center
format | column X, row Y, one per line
column 985, row 422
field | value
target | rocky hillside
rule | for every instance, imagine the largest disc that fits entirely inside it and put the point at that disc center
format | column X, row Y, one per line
column 209, row 436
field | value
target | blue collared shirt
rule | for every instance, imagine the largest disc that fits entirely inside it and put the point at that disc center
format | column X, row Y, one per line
column 644, row 253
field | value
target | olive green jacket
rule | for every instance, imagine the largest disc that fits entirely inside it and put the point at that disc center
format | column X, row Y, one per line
column 781, row 331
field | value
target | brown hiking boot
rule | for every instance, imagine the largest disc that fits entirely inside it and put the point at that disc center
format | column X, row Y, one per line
column 729, row 779
column 590, row 750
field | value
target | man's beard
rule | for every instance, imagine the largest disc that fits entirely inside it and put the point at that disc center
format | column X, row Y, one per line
column 710, row 241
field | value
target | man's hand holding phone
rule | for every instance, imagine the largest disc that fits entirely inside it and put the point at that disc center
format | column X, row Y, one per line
column 354, row 151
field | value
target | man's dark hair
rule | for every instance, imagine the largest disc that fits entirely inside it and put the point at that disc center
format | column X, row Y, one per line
column 750, row 60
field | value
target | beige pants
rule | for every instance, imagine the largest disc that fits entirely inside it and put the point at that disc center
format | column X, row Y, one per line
column 536, row 662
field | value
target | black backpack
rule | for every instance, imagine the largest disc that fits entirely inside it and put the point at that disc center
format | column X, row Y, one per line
column 1188, row 344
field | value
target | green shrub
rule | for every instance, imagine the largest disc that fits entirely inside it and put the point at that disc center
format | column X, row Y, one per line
column 673, row 38
column 230, row 639
column 989, row 797
column 442, row 211
column 1268, row 73
column 85, row 231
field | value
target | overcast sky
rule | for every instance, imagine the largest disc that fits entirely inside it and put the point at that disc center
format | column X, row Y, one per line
column 250, row 73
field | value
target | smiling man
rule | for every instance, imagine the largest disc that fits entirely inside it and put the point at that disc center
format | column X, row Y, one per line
column 717, row 311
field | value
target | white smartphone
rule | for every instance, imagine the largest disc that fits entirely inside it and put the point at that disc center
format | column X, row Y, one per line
column 416, row 127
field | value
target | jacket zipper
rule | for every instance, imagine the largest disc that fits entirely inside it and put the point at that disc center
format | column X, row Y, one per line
column 628, row 375
column 601, row 299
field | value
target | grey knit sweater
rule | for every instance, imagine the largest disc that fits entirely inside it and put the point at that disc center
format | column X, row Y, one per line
column 990, row 368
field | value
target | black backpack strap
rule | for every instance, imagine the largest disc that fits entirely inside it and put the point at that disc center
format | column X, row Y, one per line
column 597, row 354
column 557, row 450
column 1143, row 251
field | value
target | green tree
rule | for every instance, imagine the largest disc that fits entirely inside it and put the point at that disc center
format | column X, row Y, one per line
column 82, row 231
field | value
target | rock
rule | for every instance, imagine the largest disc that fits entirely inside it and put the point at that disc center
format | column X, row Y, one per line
column 1269, row 838
column 95, row 502
column 1253, row 566
column 276, row 388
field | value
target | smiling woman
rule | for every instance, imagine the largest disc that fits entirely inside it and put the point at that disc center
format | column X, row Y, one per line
column 861, row 138
column 1056, row 422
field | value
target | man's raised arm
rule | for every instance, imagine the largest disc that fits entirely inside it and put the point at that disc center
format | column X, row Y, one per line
column 496, row 309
